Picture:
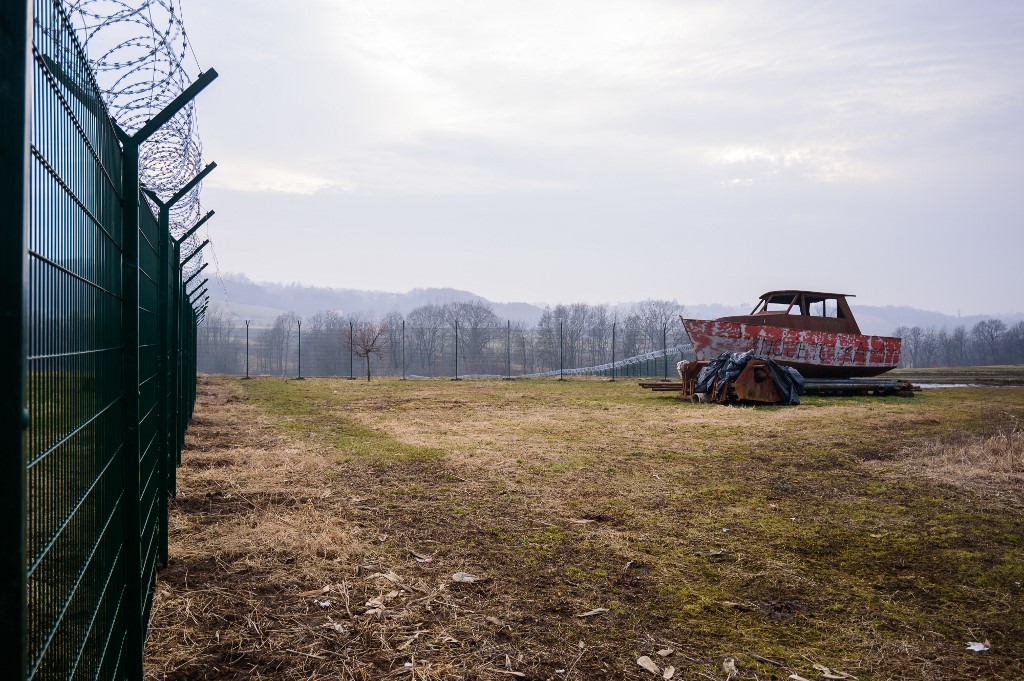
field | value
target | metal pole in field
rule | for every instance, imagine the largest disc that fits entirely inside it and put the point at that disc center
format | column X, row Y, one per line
column 456, row 349
column 613, row 350
column 403, row 349
column 351, row 353
column 664, row 350
column 560, row 377
column 299, row 322
column 508, row 348
column 247, row 348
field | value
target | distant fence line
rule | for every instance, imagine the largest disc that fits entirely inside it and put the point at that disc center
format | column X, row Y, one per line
column 100, row 371
column 448, row 351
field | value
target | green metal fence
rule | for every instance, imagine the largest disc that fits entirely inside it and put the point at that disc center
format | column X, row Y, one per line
column 99, row 369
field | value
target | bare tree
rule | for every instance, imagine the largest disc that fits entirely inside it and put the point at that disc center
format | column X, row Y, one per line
column 987, row 336
column 369, row 339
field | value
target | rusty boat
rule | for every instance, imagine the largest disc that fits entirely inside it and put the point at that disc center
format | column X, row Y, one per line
column 811, row 331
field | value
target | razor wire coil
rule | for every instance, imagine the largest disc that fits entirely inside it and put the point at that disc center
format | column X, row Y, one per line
column 137, row 50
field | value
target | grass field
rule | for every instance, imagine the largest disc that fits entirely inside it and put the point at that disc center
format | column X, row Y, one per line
column 319, row 524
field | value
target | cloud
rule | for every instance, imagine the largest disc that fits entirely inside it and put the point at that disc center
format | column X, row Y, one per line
column 243, row 176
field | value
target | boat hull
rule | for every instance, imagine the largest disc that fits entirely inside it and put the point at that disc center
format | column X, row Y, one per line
column 815, row 354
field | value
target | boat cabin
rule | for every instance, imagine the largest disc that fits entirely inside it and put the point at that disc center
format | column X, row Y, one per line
column 802, row 310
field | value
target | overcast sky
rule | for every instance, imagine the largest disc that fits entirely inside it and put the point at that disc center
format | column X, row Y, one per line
column 596, row 151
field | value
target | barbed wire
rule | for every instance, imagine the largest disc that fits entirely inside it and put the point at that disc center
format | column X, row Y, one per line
column 137, row 50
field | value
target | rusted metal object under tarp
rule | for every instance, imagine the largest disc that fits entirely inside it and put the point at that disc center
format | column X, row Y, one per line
column 747, row 377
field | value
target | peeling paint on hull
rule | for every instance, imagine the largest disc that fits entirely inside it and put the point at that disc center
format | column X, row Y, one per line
column 815, row 354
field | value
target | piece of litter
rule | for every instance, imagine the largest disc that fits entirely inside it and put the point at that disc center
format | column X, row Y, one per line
column 323, row 604
column 464, row 577
column 669, row 672
column 793, row 519
column 582, row 521
column 422, row 557
column 665, row 652
column 830, row 674
column 729, row 667
column 559, row 671
column 725, row 529
column 334, row 625
column 408, row 665
column 316, row 592
column 648, row 664
column 978, row 647
column 591, row 613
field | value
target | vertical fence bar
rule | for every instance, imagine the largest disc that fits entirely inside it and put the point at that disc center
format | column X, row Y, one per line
column 403, row 349
column 351, row 352
column 15, row 103
column 508, row 347
column 456, row 349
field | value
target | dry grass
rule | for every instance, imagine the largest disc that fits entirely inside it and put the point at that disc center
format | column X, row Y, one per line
column 778, row 537
column 991, row 466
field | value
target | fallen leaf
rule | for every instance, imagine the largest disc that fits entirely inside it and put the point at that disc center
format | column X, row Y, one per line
column 582, row 521
column 669, row 672
column 316, row 592
column 422, row 557
column 978, row 647
column 464, row 577
column 665, row 652
column 511, row 673
column 729, row 667
column 648, row 664
column 335, row 626
column 591, row 613
column 797, row 677
column 494, row 620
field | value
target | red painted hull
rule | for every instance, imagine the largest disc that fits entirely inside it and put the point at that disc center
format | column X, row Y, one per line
column 815, row 354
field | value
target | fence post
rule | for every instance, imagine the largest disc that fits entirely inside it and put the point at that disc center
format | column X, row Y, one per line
column 15, row 103
column 613, row 350
column 664, row 350
column 247, row 348
column 456, row 349
column 560, row 377
column 351, row 352
column 299, row 322
column 508, row 347
column 403, row 349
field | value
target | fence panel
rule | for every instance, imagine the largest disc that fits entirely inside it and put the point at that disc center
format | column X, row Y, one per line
column 68, row 607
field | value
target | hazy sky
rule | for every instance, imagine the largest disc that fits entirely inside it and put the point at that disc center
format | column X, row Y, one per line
column 611, row 151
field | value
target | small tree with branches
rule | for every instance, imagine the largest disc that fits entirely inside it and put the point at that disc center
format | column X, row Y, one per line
column 369, row 339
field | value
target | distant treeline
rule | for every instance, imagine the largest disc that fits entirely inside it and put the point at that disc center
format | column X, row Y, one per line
column 468, row 338
column 455, row 338
column 990, row 341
